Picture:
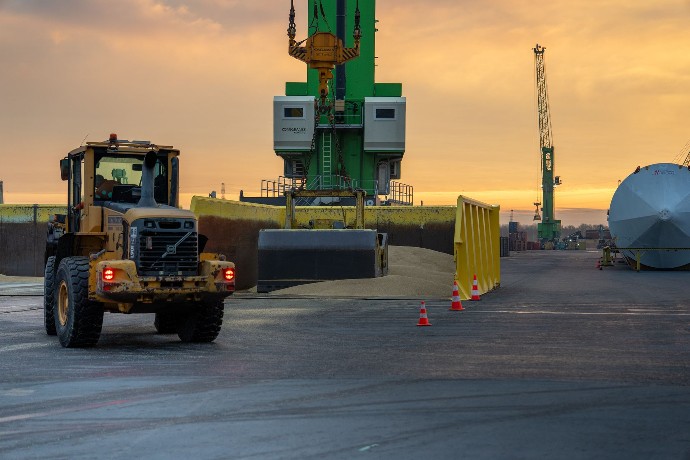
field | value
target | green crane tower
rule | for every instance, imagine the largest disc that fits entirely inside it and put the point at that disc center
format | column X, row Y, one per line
column 549, row 229
column 340, row 129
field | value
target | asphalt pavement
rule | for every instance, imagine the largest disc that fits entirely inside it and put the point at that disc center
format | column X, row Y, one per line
column 562, row 361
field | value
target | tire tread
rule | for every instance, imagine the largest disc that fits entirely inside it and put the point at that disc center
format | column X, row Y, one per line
column 84, row 329
column 49, row 296
column 204, row 323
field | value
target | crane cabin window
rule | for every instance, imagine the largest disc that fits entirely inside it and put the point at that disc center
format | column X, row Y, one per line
column 385, row 114
column 293, row 112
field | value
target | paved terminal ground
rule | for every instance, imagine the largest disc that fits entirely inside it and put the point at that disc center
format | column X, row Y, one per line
column 563, row 361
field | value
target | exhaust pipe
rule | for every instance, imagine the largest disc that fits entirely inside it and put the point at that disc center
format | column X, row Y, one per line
column 147, row 200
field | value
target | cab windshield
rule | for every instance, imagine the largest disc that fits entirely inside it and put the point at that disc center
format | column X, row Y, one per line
column 118, row 178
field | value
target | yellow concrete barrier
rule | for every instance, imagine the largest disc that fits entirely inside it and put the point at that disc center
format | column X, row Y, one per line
column 237, row 210
column 476, row 246
column 27, row 213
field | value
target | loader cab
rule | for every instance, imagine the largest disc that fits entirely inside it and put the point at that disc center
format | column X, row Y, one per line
column 109, row 174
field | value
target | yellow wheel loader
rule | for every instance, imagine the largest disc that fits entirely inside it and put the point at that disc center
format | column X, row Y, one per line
column 125, row 246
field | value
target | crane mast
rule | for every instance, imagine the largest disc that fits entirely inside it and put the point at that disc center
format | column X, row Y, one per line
column 549, row 229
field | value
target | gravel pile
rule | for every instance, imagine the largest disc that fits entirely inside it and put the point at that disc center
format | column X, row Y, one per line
column 412, row 273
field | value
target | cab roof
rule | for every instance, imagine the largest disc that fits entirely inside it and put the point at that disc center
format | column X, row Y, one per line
column 123, row 146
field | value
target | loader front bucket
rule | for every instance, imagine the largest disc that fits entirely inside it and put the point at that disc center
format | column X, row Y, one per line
column 292, row 257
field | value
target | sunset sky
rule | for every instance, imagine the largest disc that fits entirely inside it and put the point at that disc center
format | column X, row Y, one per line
column 201, row 75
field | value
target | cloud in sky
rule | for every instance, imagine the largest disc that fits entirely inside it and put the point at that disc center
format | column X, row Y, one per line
column 201, row 76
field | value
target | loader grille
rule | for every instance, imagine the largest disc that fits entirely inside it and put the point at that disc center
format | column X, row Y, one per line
column 164, row 252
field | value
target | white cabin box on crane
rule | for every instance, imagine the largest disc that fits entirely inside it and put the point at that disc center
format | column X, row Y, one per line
column 293, row 123
column 384, row 124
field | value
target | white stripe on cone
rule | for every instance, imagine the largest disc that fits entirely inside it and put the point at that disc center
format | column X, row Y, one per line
column 475, row 289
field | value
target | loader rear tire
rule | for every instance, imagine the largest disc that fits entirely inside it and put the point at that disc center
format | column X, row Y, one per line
column 167, row 322
column 49, row 296
column 78, row 320
column 203, row 324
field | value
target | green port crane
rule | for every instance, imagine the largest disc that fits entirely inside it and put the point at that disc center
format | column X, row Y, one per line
column 339, row 129
column 341, row 136
column 549, row 229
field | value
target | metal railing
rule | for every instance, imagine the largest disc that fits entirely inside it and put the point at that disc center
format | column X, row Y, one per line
column 344, row 119
column 275, row 188
column 397, row 194
column 401, row 194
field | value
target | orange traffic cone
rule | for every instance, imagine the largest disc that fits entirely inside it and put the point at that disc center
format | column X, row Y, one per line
column 456, row 305
column 475, row 289
column 423, row 320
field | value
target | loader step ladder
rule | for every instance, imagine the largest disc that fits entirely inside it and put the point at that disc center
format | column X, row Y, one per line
column 327, row 152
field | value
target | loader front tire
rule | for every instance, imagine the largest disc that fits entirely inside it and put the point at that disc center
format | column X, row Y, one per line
column 78, row 321
column 203, row 323
column 49, row 296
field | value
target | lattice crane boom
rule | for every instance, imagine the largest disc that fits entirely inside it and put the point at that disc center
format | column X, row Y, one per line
column 545, row 133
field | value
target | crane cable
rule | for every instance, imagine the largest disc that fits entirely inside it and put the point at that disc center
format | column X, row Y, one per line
column 323, row 15
column 314, row 21
column 314, row 25
column 683, row 157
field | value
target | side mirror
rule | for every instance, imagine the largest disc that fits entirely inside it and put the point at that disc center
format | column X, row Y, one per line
column 64, row 169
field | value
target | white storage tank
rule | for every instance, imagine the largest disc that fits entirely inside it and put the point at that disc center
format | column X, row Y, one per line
column 651, row 209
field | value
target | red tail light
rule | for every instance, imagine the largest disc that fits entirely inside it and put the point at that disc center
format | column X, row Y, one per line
column 229, row 274
column 108, row 274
